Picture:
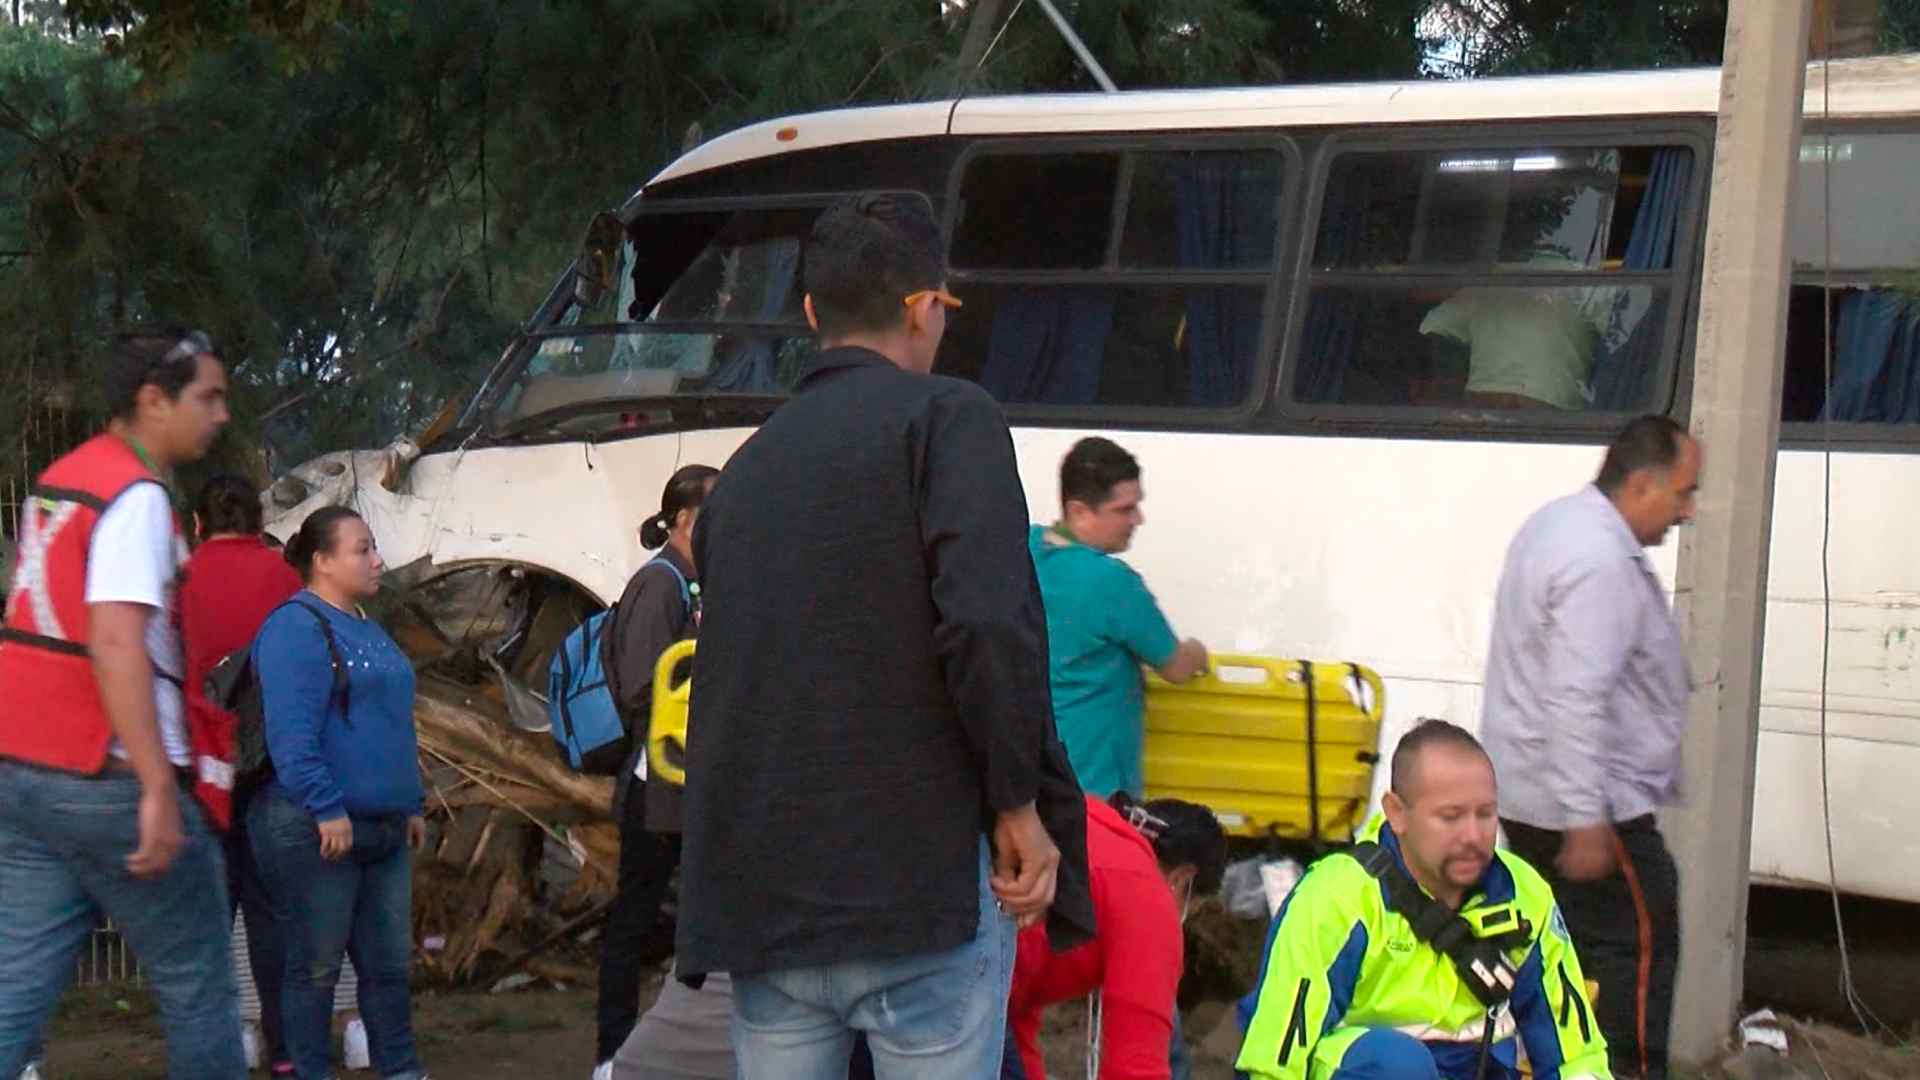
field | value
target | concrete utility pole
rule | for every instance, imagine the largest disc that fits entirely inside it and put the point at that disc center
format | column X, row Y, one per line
column 1722, row 586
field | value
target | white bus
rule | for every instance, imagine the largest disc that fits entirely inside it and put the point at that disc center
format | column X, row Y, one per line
column 1354, row 334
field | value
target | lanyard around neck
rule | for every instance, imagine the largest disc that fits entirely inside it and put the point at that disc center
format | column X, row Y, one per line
column 146, row 459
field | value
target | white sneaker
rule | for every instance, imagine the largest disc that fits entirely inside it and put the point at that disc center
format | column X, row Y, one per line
column 603, row 1071
column 31, row 1072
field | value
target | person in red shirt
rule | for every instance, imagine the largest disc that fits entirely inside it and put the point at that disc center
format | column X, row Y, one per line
column 233, row 578
column 230, row 584
column 1147, row 862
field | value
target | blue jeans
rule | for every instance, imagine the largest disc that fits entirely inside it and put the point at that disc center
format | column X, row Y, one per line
column 931, row 1016
column 360, row 905
column 64, row 841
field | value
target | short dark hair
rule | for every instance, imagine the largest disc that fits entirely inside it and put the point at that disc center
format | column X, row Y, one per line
column 1428, row 732
column 318, row 535
column 1182, row 834
column 228, row 504
column 168, row 358
column 865, row 255
column 1647, row 442
column 1093, row 468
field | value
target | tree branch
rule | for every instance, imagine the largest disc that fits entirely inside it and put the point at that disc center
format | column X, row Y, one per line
column 285, row 405
column 875, row 69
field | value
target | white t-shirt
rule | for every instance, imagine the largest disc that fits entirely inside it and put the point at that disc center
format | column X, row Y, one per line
column 134, row 557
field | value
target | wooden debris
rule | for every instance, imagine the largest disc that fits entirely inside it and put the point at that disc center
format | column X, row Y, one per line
column 462, row 727
column 464, row 835
column 498, row 798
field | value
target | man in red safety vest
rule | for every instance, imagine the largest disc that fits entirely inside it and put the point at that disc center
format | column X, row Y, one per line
column 96, row 758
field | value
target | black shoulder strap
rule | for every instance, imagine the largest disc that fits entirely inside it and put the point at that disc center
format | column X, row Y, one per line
column 609, row 646
column 1481, row 961
column 340, row 689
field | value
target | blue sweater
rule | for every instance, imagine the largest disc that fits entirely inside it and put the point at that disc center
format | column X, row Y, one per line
column 360, row 761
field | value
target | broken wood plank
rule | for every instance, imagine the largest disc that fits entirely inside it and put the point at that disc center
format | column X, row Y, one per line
column 447, row 724
column 464, row 835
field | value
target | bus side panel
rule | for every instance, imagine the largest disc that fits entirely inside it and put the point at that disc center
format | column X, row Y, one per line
column 1387, row 552
column 1380, row 551
column 1872, row 691
column 570, row 508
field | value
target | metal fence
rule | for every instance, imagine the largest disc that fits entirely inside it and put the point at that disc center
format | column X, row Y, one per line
column 47, row 431
column 106, row 959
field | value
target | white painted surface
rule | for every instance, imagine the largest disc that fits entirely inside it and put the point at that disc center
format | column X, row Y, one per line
column 1380, row 551
column 1876, row 86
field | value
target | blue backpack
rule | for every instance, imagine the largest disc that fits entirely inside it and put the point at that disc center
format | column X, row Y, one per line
column 586, row 723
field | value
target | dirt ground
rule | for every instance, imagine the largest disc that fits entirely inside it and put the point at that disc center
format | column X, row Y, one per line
column 104, row 1034
column 112, row 1033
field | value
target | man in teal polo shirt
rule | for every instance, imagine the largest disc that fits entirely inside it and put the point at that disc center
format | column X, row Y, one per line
column 1102, row 623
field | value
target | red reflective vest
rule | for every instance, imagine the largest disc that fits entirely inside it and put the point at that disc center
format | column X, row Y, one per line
column 50, row 709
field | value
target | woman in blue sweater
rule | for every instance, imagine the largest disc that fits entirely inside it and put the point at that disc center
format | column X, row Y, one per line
column 331, row 831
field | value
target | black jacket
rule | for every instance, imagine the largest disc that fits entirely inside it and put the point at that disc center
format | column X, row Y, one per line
column 653, row 613
column 871, row 684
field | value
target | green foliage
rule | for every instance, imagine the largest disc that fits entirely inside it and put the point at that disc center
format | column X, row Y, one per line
column 163, row 37
column 1515, row 37
column 362, row 198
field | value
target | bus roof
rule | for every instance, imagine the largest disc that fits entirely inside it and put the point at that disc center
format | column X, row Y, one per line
column 1885, row 86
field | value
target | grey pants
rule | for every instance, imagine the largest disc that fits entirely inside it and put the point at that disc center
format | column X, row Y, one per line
column 686, row 1033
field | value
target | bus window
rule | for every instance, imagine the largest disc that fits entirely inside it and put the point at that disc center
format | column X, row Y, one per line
column 1201, row 210
column 1472, row 210
column 597, row 377
column 747, row 269
column 1874, row 281
column 1537, row 278
column 1035, row 212
column 1136, row 345
column 1494, row 346
column 1130, row 278
column 709, row 303
column 1873, row 226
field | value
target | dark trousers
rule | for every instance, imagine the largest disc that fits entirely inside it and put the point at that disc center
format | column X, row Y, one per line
column 637, row 935
column 266, row 942
column 1626, row 929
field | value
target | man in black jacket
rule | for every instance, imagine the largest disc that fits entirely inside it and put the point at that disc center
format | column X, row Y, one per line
column 875, row 796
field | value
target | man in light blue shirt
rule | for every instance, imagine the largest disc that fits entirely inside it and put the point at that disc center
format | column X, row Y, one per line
column 1586, row 697
column 1102, row 623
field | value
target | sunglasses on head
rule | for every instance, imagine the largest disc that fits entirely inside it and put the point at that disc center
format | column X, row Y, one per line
column 193, row 344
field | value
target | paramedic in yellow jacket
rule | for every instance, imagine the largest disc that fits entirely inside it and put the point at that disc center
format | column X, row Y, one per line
column 1349, row 992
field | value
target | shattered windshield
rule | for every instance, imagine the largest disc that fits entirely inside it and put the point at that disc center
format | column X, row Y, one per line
column 708, row 304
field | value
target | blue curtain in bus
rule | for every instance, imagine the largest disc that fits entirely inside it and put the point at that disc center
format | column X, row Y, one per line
column 745, row 365
column 1876, row 359
column 1048, row 344
column 1621, row 373
column 1332, row 330
column 1657, row 224
column 1218, row 225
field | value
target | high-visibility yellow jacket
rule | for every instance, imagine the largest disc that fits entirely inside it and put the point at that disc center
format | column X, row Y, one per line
column 1339, row 964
